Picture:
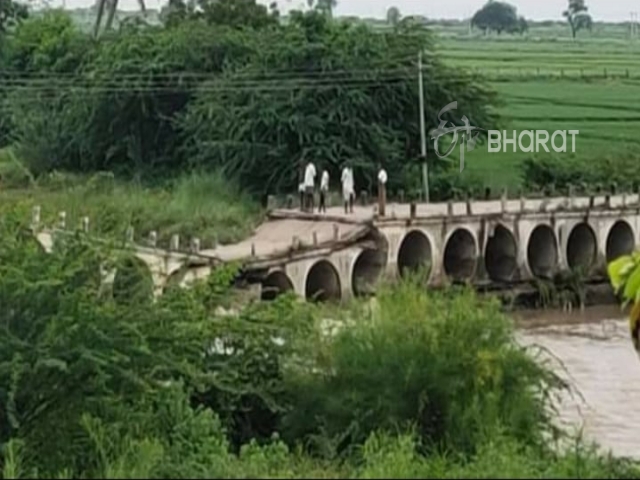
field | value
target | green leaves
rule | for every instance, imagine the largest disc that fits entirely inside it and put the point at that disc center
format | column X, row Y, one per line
column 624, row 274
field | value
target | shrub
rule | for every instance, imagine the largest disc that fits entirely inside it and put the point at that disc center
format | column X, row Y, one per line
column 445, row 364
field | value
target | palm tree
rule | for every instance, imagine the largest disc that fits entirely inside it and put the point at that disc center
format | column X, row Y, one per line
column 112, row 6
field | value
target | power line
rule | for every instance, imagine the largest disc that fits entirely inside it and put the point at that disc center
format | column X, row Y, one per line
column 386, row 67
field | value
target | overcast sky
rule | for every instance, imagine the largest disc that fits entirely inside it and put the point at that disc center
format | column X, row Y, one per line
column 607, row 10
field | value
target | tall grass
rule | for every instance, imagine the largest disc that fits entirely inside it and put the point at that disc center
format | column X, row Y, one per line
column 205, row 205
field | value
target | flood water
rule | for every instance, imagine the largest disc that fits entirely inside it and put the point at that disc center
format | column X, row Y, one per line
column 594, row 353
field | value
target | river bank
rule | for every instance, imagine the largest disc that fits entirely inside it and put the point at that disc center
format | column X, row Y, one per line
column 543, row 296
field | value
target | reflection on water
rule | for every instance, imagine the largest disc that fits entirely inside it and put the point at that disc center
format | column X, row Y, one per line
column 595, row 350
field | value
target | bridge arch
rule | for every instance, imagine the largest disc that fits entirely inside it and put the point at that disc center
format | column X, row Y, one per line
column 542, row 252
column 501, row 253
column 582, row 247
column 415, row 253
column 322, row 282
column 275, row 284
column 175, row 278
column 132, row 281
column 620, row 240
column 367, row 270
column 183, row 275
column 461, row 255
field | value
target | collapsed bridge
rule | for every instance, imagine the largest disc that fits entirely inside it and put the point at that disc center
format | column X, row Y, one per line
column 335, row 256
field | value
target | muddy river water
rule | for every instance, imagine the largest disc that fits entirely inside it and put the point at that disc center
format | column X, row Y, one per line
column 594, row 352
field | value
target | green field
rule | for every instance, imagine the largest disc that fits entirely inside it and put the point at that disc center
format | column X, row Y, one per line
column 554, row 84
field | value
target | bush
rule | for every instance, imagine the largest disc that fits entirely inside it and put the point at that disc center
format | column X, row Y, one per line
column 444, row 364
column 557, row 174
column 414, row 384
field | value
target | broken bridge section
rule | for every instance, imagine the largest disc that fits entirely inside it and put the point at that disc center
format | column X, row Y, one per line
column 335, row 256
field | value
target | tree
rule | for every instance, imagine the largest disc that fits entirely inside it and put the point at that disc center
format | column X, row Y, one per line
column 523, row 25
column 393, row 16
column 577, row 16
column 321, row 90
column 496, row 16
column 111, row 7
column 326, row 6
column 11, row 13
column 232, row 13
column 239, row 13
column 520, row 27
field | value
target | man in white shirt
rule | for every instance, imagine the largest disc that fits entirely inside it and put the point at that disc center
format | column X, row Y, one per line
column 382, row 190
column 309, row 185
column 324, row 188
column 348, row 188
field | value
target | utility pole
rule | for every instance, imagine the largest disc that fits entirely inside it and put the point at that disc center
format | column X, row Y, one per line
column 423, row 134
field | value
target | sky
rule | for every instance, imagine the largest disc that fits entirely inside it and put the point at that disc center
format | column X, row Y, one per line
column 600, row 10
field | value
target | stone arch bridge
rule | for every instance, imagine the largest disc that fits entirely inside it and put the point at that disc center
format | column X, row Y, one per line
column 335, row 256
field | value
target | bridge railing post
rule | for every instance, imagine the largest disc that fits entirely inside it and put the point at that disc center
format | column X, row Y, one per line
column 35, row 217
column 503, row 200
column 130, row 234
column 412, row 210
column 153, row 239
column 174, row 243
column 62, row 220
column 85, row 224
column 195, row 245
column 571, row 196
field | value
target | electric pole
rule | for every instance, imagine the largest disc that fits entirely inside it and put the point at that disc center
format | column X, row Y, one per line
column 423, row 134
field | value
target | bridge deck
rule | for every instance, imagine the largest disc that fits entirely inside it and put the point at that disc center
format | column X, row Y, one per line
column 276, row 238
column 367, row 213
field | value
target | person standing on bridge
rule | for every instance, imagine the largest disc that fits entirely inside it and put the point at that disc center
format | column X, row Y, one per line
column 309, row 185
column 382, row 190
column 348, row 188
column 301, row 195
column 324, row 189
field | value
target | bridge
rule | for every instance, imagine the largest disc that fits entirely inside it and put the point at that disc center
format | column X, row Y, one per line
column 335, row 256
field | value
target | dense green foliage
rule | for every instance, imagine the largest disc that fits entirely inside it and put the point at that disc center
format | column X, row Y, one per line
column 254, row 100
column 496, row 16
column 412, row 385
